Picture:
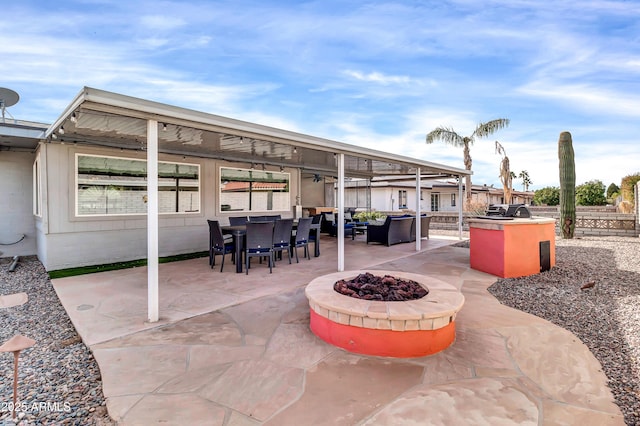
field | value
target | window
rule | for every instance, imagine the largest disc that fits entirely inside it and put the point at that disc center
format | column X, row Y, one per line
column 37, row 187
column 253, row 190
column 118, row 186
column 453, row 200
column 402, row 199
column 435, row 202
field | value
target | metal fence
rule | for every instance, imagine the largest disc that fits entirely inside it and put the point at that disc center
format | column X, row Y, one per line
column 603, row 223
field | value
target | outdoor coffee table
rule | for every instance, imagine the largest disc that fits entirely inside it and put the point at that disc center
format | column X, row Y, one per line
column 360, row 229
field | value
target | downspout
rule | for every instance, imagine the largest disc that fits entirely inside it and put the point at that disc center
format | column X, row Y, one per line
column 152, row 221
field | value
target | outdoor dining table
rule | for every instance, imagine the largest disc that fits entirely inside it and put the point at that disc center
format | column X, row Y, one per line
column 239, row 231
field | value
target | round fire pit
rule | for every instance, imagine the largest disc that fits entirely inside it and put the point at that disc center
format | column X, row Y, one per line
column 400, row 329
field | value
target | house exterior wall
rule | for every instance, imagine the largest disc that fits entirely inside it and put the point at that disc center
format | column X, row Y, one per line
column 383, row 194
column 386, row 198
column 312, row 193
column 381, row 199
column 66, row 240
column 16, row 204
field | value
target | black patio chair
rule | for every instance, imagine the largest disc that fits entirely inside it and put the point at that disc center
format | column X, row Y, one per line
column 301, row 238
column 218, row 244
column 273, row 217
column 316, row 219
column 237, row 220
column 328, row 220
column 258, row 219
column 259, row 243
column 282, row 236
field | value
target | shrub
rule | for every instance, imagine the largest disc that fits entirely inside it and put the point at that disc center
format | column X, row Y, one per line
column 477, row 208
column 548, row 196
column 591, row 194
column 612, row 190
column 625, row 207
column 368, row 216
column 627, row 185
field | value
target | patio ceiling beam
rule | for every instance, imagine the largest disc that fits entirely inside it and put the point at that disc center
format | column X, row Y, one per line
column 136, row 145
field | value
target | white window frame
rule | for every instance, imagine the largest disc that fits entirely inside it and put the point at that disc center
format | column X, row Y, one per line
column 78, row 215
column 435, row 196
column 402, row 198
column 220, row 183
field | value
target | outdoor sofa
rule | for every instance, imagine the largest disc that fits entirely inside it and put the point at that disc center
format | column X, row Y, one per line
column 394, row 230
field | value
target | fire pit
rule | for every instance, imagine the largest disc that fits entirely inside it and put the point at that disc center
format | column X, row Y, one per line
column 400, row 329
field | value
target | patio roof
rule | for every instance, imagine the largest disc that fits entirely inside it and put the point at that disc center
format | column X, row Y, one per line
column 98, row 117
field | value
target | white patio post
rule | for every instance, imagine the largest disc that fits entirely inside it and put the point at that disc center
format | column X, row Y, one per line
column 340, row 217
column 152, row 221
column 460, row 206
column 418, row 222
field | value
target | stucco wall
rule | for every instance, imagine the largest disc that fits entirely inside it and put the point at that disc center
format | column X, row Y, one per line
column 16, row 204
column 311, row 192
column 69, row 241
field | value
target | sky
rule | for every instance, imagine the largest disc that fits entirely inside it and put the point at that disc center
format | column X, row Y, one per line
column 369, row 73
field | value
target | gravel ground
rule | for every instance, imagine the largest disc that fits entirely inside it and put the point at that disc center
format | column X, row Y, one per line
column 594, row 292
column 59, row 380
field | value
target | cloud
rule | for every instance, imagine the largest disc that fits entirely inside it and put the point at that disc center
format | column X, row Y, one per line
column 586, row 97
column 377, row 77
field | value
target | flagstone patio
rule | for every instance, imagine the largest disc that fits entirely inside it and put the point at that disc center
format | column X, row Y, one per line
column 236, row 349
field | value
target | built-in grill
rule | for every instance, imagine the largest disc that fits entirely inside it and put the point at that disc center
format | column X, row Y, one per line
column 506, row 212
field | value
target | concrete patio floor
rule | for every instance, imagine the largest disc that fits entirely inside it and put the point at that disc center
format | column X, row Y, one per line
column 232, row 349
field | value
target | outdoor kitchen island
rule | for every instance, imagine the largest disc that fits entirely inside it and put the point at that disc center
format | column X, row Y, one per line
column 510, row 247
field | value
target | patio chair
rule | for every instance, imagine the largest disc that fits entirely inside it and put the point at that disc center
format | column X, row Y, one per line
column 301, row 238
column 259, row 243
column 328, row 220
column 314, row 233
column 348, row 218
column 349, row 230
column 237, row 220
column 282, row 237
column 316, row 219
column 258, row 219
column 273, row 217
column 218, row 244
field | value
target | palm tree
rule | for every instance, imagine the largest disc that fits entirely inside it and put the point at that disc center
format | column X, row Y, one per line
column 450, row 137
column 506, row 175
column 526, row 180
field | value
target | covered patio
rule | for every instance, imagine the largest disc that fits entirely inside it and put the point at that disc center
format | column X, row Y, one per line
column 99, row 119
column 231, row 349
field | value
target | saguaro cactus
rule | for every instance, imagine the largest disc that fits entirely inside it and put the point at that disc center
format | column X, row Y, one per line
column 567, row 185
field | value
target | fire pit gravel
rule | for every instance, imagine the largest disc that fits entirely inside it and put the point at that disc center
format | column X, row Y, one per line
column 386, row 288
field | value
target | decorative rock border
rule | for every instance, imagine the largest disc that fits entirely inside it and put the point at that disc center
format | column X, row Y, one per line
column 396, row 329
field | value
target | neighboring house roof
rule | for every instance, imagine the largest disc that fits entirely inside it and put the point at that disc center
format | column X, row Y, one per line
column 20, row 134
column 260, row 186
